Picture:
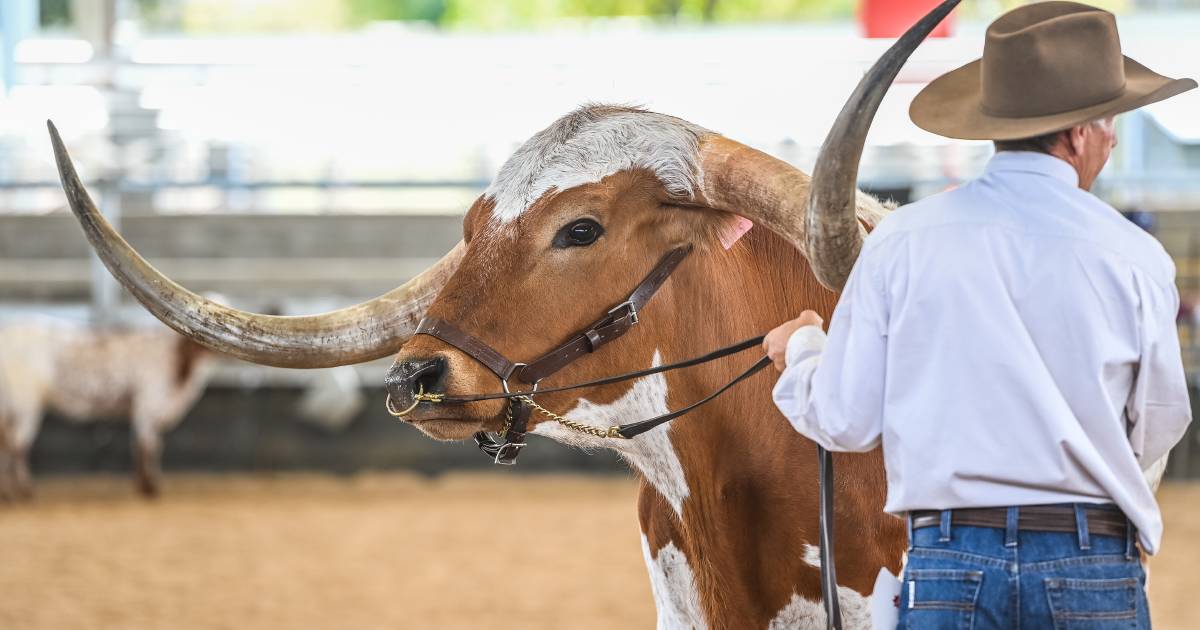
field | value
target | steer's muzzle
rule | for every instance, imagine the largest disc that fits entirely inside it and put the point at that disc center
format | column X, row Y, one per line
column 406, row 378
column 423, row 365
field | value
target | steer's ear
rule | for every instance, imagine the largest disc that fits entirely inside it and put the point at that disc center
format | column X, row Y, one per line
column 480, row 211
column 703, row 227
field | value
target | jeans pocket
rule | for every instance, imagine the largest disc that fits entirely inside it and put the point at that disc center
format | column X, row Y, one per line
column 940, row 598
column 1093, row 604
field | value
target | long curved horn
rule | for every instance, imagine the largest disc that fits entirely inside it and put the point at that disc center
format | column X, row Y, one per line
column 358, row 333
column 817, row 215
column 834, row 234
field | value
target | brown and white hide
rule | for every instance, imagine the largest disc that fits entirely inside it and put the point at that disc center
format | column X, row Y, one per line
column 149, row 378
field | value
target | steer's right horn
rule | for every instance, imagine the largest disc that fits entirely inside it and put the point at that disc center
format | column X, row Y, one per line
column 834, row 234
column 358, row 333
column 818, row 215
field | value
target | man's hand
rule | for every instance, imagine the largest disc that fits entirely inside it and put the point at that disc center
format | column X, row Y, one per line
column 775, row 343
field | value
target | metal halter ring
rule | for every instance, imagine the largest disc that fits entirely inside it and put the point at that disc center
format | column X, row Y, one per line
column 399, row 414
column 418, row 398
column 508, row 410
column 516, row 367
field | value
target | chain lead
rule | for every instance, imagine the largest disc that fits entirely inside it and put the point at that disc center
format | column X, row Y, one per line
column 600, row 432
column 421, row 396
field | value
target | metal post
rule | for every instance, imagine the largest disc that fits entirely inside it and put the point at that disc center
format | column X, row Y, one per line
column 1134, row 141
column 18, row 18
column 96, row 20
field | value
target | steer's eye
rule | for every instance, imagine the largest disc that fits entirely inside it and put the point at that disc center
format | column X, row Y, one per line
column 578, row 234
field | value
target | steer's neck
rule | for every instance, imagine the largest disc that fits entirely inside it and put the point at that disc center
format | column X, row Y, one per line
column 719, row 298
column 744, row 491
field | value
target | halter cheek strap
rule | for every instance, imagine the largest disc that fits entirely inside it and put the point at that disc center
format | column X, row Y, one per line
column 616, row 322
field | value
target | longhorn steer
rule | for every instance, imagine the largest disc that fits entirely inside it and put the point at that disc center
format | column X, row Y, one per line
column 728, row 505
column 151, row 377
column 572, row 222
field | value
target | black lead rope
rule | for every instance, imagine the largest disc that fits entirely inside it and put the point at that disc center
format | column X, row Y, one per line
column 634, row 429
column 833, row 612
column 608, row 380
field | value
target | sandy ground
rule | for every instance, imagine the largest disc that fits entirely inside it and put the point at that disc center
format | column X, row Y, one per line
column 1175, row 571
column 375, row 551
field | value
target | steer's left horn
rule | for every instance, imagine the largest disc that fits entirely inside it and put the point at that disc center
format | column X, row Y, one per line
column 358, row 333
column 834, row 235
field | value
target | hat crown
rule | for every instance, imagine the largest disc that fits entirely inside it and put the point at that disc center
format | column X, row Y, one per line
column 1051, row 57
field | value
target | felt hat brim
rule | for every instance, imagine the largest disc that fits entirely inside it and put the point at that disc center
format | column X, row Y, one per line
column 951, row 105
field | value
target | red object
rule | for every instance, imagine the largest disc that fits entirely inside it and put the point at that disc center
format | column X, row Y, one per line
column 890, row 18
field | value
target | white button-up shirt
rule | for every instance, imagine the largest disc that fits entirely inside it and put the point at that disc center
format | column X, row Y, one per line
column 1009, row 342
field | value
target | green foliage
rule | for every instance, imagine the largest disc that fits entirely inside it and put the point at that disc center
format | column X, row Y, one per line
column 769, row 10
column 263, row 16
column 493, row 14
column 54, row 13
column 363, row 11
column 323, row 15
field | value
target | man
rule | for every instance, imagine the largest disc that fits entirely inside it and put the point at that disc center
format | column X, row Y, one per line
column 1011, row 344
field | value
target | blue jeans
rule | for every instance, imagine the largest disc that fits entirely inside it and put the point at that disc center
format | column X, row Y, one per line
column 982, row 577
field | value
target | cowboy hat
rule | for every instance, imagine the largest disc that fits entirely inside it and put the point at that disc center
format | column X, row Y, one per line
column 1046, row 67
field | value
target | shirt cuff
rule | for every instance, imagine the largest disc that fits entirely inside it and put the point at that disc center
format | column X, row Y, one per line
column 807, row 341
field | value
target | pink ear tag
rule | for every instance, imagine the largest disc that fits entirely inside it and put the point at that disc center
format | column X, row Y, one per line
column 735, row 229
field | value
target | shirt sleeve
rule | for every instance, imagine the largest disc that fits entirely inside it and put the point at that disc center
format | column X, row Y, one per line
column 1158, row 411
column 832, row 388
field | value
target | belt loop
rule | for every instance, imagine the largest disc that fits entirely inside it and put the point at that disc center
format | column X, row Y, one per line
column 908, row 526
column 1130, row 539
column 1081, row 528
column 1010, row 526
column 945, row 527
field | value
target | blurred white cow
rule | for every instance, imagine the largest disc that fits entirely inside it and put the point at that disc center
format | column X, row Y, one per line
column 148, row 377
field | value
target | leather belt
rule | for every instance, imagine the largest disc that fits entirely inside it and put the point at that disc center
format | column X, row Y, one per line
column 1102, row 519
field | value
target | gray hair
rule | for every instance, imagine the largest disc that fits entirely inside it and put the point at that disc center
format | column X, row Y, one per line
column 1044, row 143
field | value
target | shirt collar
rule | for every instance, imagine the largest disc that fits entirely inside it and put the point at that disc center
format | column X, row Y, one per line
column 1032, row 162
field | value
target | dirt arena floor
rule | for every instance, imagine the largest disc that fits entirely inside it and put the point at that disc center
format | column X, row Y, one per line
column 375, row 551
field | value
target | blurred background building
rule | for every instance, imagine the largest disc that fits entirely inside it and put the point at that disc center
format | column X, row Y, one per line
column 299, row 155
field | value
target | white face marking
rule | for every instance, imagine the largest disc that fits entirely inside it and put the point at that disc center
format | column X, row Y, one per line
column 592, row 143
column 806, row 614
column 651, row 453
column 674, row 588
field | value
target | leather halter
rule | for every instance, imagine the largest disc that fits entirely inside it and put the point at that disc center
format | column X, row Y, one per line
column 615, row 323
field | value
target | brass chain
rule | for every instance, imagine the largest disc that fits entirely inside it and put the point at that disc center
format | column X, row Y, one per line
column 507, row 419
column 600, row 432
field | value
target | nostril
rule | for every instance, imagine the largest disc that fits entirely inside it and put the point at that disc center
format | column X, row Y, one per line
column 428, row 377
column 408, row 377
